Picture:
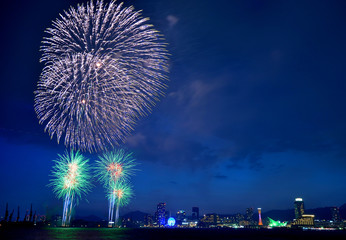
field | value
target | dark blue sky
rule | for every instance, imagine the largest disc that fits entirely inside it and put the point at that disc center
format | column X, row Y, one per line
column 254, row 115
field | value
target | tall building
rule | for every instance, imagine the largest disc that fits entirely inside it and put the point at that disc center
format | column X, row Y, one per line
column 334, row 211
column 239, row 218
column 259, row 217
column 298, row 208
column 181, row 215
column 161, row 212
column 195, row 213
column 249, row 215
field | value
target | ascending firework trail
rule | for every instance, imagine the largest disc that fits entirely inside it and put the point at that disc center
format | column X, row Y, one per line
column 119, row 194
column 70, row 179
column 105, row 67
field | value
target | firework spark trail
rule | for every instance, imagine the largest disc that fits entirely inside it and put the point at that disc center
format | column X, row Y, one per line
column 105, row 67
column 113, row 170
column 111, row 211
column 70, row 179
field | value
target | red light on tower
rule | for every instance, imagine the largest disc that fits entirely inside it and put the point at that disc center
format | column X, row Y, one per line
column 259, row 217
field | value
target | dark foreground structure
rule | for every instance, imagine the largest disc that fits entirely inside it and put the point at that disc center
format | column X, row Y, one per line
column 161, row 233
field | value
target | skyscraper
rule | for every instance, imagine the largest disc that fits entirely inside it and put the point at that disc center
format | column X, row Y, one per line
column 195, row 213
column 161, row 211
column 298, row 208
column 249, row 215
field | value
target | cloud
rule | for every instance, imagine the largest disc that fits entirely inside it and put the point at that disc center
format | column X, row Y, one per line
column 220, row 177
column 136, row 140
column 173, row 150
column 172, row 20
column 228, row 118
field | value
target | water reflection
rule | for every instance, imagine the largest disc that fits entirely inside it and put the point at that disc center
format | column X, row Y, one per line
column 86, row 233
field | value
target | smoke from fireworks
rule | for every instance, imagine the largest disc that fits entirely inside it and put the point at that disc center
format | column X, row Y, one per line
column 70, row 179
column 105, row 67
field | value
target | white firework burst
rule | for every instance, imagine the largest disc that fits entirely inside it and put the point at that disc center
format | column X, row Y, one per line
column 105, row 67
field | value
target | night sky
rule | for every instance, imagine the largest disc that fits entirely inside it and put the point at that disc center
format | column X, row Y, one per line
column 254, row 115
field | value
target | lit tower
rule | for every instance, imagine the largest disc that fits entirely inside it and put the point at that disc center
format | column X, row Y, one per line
column 298, row 207
column 259, row 217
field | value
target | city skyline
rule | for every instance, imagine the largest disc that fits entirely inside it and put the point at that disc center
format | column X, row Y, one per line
column 330, row 218
column 161, row 209
column 254, row 114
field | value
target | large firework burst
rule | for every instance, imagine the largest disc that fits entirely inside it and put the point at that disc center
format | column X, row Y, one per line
column 70, row 179
column 105, row 67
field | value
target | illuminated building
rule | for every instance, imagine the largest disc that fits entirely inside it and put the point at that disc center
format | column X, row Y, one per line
column 192, row 224
column 298, row 207
column 273, row 223
column 148, row 220
column 195, row 213
column 244, row 223
column 239, row 218
column 259, row 217
column 211, row 219
column 161, row 212
column 181, row 215
column 229, row 220
column 306, row 220
column 249, row 215
column 335, row 214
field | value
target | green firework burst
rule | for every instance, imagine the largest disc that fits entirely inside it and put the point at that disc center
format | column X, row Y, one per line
column 121, row 192
column 70, row 175
column 114, row 166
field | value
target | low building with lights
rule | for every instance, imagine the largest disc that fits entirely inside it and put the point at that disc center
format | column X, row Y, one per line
column 210, row 220
column 306, row 220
